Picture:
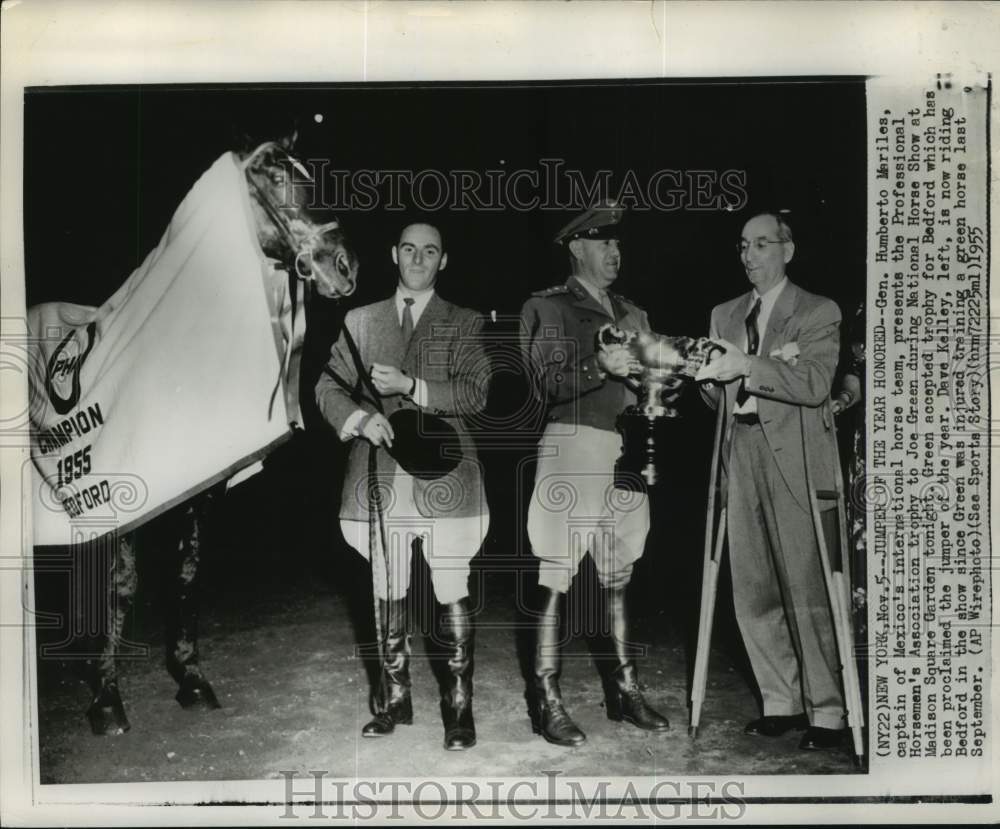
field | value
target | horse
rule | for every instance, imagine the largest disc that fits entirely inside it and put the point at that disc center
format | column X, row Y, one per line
column 309, row 257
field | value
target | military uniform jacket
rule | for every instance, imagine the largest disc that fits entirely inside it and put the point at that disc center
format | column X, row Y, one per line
column 446, row 352
column 558, row 341
column 787, row 394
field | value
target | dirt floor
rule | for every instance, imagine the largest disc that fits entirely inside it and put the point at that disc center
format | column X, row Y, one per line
column 283, row 661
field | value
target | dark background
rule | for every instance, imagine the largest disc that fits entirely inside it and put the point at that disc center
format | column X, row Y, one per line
column 105, row 168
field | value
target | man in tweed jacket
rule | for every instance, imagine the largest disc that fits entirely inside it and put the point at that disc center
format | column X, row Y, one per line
column 423, row 354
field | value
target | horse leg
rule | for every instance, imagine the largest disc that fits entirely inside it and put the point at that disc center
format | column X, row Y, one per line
column 182, row 638
column 106, row 713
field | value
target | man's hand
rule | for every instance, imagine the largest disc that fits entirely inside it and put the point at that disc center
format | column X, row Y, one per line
column 850, row 393
column 376, row 429
column 618, row 361
column 725, row 367
column 390, row 380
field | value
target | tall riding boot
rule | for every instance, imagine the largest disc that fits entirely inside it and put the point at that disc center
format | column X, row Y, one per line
column 553, row 723
column 458, row 635
column 393, row 704
column 623, row 698
column 182, row 641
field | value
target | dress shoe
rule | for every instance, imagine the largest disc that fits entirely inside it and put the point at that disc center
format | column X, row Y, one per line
column 816, row 738
column 776, row 725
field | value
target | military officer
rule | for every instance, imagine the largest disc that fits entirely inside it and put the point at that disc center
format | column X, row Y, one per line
column 574, row 507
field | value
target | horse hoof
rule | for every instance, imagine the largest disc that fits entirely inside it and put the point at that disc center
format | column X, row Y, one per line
column 106, row 713
column 195, row 691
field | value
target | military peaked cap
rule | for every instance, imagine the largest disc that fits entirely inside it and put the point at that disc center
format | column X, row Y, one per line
column 599, row 222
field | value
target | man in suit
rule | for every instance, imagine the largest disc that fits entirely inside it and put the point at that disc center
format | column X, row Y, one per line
column 424, row 355
column 771, row 388
column 575, row 508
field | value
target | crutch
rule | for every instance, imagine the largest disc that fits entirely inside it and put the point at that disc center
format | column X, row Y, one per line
column 715, row 535
column 839, row 592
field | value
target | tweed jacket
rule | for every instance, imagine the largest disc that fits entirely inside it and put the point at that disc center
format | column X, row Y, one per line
column 446, row 352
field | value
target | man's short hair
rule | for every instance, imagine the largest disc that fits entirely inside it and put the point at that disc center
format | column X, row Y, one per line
column 419, row 219
column 780, row 217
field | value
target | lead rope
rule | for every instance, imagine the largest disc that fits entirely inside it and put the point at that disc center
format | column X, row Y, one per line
column 294, row 288
column 376, row 514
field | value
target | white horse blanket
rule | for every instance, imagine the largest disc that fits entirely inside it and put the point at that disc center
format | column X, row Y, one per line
column 187, row 374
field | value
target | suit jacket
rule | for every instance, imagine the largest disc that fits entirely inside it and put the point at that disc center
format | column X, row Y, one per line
column 786, row 393
column 446, row 352
column 558, row 332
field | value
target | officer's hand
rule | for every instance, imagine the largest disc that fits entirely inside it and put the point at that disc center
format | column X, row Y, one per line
column 390, row 380
column 377, row 430
column 618, row 361
column 733, row 364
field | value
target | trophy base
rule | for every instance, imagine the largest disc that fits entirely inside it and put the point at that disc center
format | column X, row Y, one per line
column 637, row 469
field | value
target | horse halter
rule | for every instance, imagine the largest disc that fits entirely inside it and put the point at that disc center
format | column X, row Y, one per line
column 310, row 244
column 302, row 246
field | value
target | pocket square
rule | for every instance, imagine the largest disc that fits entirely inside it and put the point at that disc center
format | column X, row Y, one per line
column 788, row 353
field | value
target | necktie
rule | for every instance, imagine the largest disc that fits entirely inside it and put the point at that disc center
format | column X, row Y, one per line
column 753, row 343
column 407, row 323
column 606, row 304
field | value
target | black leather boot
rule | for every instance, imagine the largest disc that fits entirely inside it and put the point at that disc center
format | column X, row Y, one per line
column 552, row 721
column 393, row 705
column 458, row 636
column 623, row 698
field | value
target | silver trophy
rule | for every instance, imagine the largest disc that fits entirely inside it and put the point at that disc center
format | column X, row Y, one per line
column 667, row 364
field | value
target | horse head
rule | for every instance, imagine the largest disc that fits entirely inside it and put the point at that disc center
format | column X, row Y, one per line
column 289, row 231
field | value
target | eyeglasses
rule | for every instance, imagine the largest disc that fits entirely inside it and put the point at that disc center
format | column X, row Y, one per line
column 759, row 245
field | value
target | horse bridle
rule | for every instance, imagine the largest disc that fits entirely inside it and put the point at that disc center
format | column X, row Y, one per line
column 276, row 217
column 376, row 510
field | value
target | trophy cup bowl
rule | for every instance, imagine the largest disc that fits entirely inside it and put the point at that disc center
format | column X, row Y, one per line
column 667, row 366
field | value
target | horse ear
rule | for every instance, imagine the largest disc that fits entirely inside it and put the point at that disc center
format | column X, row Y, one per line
column 288, row 141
